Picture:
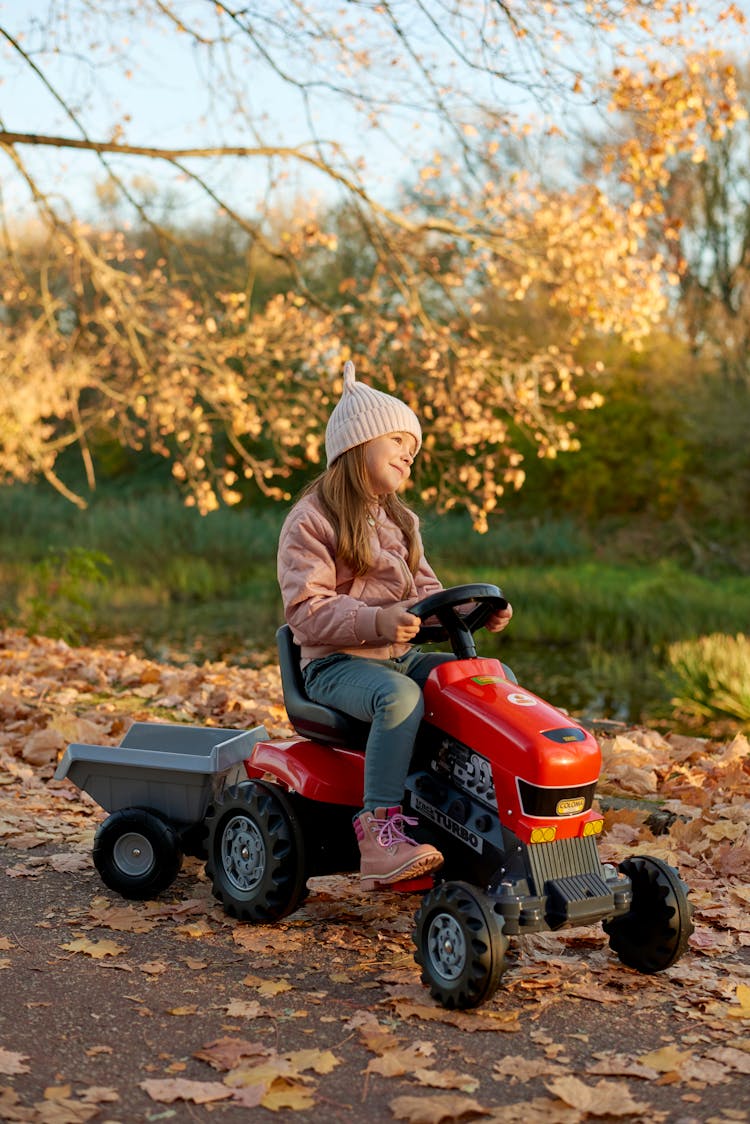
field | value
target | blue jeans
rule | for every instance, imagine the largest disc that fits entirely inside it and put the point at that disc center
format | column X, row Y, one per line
column 386, row 693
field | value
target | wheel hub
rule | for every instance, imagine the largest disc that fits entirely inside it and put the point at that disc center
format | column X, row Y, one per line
column 243, row 853
column 133, row 854
column 447, row 946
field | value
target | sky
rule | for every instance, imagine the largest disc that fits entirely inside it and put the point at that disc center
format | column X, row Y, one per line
column 134, row 80
column 160, row 97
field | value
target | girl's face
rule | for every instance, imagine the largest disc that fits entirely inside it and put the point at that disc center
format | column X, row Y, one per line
column 388, row 461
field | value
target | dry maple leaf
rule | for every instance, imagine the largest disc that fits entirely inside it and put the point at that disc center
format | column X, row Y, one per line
column 244, row 1009
column 667, row 1059
column 432, row 1110
column 446, row 1079
column 154, row 967
column 11, row 1062
column 525, row 1069
column 287, row 1094
column 540, row 1108
column 743, row 998
column 267, row 987
column 96, row 949
column 319, row 1061
column 122, row 918
column 11, row 1107
column 226, row 1053
column 169, row 1089
column 394, row 1061
column 606, row 1098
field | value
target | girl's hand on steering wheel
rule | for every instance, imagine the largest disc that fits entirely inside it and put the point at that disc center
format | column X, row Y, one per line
column 396, row 625
column 500, row 619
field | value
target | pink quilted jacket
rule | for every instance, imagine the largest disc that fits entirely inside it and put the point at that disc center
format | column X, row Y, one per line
column 327, row 607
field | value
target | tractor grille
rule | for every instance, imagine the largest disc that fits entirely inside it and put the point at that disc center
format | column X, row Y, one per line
column 548, row 802
column 565, row 858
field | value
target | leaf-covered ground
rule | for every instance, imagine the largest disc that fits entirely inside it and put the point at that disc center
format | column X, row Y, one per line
column 572, row 1035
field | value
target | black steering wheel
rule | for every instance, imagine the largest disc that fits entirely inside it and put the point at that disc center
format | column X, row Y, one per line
column 457, row 627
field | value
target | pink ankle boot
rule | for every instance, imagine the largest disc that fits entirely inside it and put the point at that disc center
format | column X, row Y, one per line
column 388, row 855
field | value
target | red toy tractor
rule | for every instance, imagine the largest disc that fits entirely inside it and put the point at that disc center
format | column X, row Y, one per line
column 502, row 782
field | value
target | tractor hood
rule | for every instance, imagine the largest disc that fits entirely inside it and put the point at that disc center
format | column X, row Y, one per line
column 518, row 732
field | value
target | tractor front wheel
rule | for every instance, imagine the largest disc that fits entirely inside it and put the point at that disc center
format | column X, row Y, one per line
column 460, row 945
column 655, row 931
column 256, row 859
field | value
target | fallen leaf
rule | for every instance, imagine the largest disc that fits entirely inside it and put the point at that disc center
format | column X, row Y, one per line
column 267, row 987
column 11, row 1062
column 668, row 1059
column 525, row 1069
column 154, row 967
column 170, row 1089
column 97, row 949
column 743, row 998
column 606, row 1098
column 244, row 1009
column 226, row 1053
column 431, row 1110
column 287, row 1094
column 446, row 1079
column 320, row 1061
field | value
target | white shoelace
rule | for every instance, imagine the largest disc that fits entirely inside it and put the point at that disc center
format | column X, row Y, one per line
column 392, row 830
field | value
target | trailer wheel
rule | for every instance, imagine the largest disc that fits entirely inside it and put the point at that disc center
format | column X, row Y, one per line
column 460, row 945
column 137, row 853
column 655, row 931
column 256, row 859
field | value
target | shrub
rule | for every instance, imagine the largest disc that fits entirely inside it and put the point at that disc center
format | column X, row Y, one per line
column 58, row 600
column 713, row 675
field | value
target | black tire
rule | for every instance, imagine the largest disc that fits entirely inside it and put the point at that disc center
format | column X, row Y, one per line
column 256, row 859
column 137, row 853
column 654, row 933
column 460, row 945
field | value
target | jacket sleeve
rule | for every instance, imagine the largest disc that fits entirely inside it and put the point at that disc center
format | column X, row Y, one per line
column 314, row 610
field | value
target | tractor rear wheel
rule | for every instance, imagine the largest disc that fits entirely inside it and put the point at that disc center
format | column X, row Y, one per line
column 655, row 931
column 460, row 945
column 256, row 858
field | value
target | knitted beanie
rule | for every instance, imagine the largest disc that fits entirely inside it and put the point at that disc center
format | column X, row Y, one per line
column 363, row 413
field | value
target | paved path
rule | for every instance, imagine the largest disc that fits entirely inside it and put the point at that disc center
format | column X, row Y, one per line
column 99, row 998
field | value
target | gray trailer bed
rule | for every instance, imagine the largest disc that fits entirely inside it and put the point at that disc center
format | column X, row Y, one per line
column 168, row 768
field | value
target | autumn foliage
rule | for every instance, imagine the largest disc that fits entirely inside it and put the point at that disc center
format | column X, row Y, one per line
column 99, row 335
column 325, row 1009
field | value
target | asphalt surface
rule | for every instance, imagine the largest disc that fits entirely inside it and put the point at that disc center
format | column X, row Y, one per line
column 99, row 997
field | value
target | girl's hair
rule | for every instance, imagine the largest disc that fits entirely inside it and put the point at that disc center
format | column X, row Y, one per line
column 345, row 496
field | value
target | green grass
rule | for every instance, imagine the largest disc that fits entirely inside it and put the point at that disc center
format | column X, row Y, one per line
column 590, row 632
column 712, row 677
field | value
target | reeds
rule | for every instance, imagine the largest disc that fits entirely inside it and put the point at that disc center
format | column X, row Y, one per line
column 713, row 676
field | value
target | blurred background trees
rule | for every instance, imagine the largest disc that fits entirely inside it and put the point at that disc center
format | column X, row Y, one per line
column 552, row 271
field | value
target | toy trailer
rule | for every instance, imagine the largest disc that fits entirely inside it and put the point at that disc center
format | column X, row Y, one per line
column 158, row 785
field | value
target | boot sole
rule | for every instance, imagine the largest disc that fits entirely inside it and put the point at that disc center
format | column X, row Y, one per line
column 415, row 869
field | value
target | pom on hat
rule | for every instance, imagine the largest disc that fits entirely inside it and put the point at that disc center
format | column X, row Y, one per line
column 363, row 413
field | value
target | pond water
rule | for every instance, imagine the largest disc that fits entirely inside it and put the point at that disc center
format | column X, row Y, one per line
column 594, row 684
column 590, row 683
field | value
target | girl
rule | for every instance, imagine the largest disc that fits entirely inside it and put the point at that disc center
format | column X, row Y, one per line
column 350, row 563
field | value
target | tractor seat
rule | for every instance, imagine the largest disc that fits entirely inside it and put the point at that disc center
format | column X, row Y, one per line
column 311, row 719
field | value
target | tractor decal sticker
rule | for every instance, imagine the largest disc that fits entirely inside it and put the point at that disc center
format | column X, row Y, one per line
column 571, row 807
column 520, row 699
column 483, row 680
column 430, row 812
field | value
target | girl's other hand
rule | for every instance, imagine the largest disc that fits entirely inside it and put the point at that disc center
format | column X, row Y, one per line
column 395, row 624
column 500, row 619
